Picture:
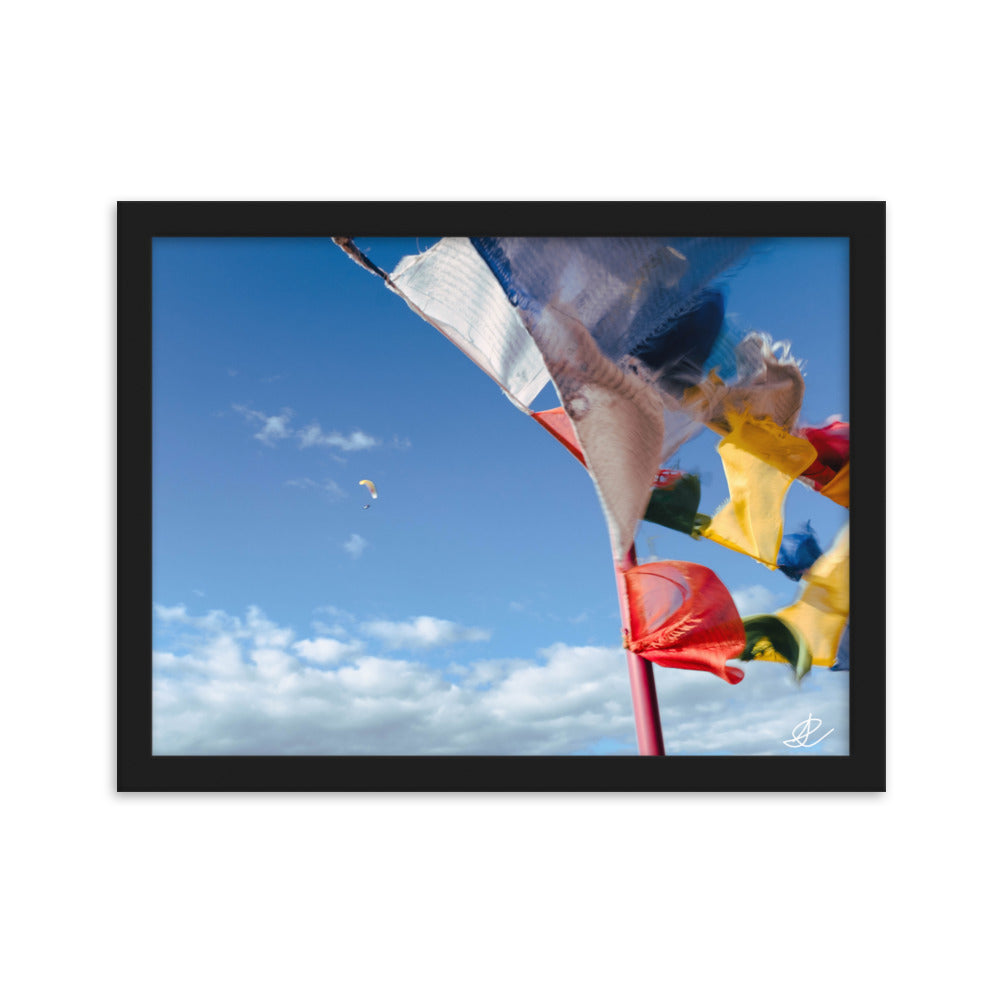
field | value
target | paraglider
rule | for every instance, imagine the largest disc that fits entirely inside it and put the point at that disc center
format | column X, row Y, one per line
column 371, row 490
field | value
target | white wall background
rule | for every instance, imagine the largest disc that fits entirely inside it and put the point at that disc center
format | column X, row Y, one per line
column 477, row 895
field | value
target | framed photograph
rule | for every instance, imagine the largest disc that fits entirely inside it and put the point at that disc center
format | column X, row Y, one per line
column 501, row 496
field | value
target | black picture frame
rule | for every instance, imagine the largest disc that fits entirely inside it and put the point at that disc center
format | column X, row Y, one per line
column 863, row 223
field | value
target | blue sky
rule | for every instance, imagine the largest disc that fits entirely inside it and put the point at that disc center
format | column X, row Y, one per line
column 472, row 607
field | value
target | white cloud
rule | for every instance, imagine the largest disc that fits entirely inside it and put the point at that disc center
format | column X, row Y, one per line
column 336, row 628
column 334, row 612
column 216, row 656
column 273, row 428
column 255, row 627
column 212, row 620
column 279, row 426
column 314, row 436
column 703, row 715
column 226, row 695
column 230, row 685
column 326, row 628
column 355, row 545
column 264, row 632
column 175, row 614
column 757, row 600
column 422, row 632
column 325, row 651
column 272, row 663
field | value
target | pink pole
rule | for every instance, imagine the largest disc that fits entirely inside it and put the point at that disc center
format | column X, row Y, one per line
column 648, row 729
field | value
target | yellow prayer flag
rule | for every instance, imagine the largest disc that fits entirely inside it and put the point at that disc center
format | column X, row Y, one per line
column 821, row 611
column 839, row 488
column 761, row 460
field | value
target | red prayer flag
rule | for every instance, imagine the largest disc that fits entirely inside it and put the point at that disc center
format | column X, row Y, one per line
column 558, row 424
column 682, row 615
column 833, row 446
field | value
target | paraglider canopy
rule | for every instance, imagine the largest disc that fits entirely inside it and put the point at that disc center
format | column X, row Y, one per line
column 371, row 489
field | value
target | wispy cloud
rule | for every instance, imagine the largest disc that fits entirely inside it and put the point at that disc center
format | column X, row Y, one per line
column 228, row 685
column 273, row 428
column 314, row 436
column 278, row 426
column 422, row 632
column 321, row 625
column 176, row 613
column 355, row 545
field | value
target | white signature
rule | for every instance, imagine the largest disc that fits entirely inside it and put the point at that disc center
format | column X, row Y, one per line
column 805, row 729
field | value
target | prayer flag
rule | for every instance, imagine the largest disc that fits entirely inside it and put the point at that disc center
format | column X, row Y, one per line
column 451, row 287
column 682, row 615
column 843, row 661
column 821, row 610
column 768, row 385
column 674, row 503
column 799, row 550
column 675, row 497
column 769, row 637
column 560, row 427
column 628, row 292
column 833, row 446
column 591, row 304
column 761, row 460
column 830, row 473
column 839, row 488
